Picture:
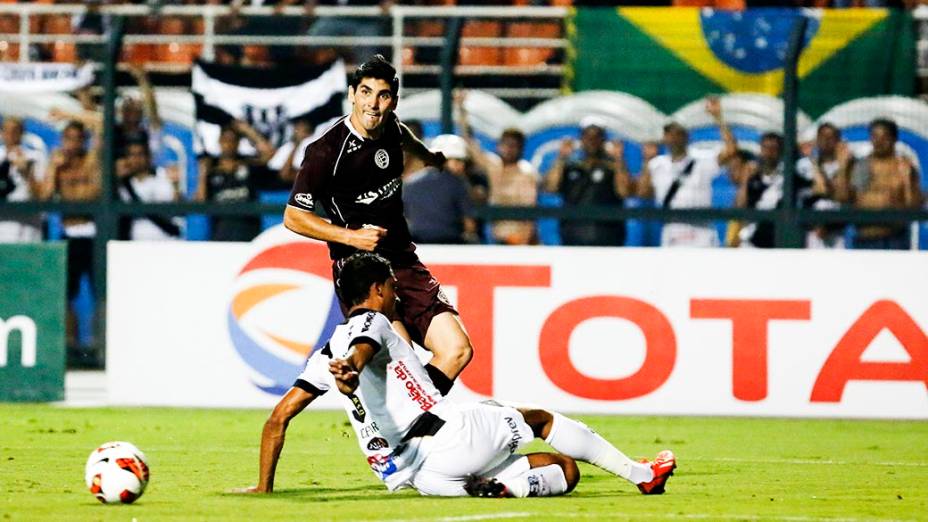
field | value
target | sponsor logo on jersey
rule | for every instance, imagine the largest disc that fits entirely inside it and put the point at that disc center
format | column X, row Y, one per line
column 414, row 390
column 382, row 465
column 369, row 430
column 516, row 436
column 381, row 158
column 353, row 145
column 534, row 485
column 368, row 319
column 377, row 443
column 359, row 412
column 304, row 199
column 383, row 192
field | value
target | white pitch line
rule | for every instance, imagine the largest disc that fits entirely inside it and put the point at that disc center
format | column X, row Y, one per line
column 639, row 516
column 808, row 461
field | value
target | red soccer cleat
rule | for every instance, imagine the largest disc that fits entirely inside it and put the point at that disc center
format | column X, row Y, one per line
column 662, row 466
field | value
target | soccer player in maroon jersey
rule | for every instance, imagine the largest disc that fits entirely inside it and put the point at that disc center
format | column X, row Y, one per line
column 354, row 171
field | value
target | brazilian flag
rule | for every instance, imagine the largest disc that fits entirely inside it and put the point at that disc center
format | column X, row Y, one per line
column 672, row 56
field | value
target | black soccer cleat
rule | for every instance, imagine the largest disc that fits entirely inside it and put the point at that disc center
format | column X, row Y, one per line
column 485, row 487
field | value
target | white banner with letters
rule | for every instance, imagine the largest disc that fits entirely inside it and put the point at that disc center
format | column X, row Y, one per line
column 43, row 77
column 633, row 331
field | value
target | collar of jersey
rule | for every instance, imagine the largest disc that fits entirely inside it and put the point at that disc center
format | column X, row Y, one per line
column 360, row 311
column 353, row 130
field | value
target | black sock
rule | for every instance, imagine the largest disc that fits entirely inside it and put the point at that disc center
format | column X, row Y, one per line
column 439, row 379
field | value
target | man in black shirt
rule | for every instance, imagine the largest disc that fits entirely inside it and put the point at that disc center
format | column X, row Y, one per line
column 591, row 175
column 354, row 171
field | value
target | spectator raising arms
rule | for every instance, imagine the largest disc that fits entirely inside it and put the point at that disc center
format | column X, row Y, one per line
column 826, row 167
column 676, row 179
column 230, row 178
column 590, row 175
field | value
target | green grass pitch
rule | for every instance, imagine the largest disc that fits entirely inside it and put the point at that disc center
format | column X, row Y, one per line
column 729, row 469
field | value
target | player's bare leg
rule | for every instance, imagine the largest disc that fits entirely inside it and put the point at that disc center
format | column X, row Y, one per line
column 577, row 440
column 450, row 345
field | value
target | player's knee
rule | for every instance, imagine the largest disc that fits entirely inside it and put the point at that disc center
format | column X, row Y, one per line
column 539, row 420
column 571, row 472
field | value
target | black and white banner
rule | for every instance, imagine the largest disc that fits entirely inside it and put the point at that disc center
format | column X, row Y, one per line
column 43, row 77
column 269, row 99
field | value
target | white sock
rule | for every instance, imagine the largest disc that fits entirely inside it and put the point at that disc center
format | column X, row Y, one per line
column 575, row 439
column 546, row 481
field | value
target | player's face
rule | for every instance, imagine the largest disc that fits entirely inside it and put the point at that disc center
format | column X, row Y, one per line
column 389, row 298
column 371, row 102
column 770, row 152
column 72, row 141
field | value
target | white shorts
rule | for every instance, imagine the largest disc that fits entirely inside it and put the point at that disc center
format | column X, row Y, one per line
column 477, row 439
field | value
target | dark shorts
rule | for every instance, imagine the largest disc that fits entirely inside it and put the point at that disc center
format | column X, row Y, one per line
column 420, row 297
column 80, row 262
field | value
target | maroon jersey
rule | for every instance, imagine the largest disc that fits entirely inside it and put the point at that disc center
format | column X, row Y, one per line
column 357, row 181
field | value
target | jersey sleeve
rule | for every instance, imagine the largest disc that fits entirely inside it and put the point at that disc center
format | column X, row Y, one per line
column 315, row 378
column 312, row 178
column 374, row 331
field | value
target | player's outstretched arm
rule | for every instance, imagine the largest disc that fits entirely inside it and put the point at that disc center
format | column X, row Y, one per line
column 272, row 437
column 308, row 224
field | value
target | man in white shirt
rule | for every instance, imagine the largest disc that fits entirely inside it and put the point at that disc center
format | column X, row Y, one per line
column 827, row 169
column 677, row 179
column 141, row 182
column 412, row 437
column 22, row 178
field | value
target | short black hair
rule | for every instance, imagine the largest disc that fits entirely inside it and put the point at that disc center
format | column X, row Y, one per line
column 138, row 141
column 772, row 136
column 888, row 125
column 359, row 272
column 514, row 133
column 75, row 124
column 675, row 125
column 829, row 125
column 379, row 68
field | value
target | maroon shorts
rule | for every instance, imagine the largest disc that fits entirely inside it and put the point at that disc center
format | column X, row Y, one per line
column 419, row 298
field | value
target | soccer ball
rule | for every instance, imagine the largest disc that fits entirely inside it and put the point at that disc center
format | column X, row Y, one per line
column 116, row 472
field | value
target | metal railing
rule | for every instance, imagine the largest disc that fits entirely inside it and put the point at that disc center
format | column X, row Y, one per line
column 210, row 38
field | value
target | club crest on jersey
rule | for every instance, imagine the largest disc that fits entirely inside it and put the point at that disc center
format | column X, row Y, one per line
column 381, row 158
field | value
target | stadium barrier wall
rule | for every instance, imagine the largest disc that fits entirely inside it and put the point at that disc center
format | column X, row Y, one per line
column 604, row 330
column 32, row 301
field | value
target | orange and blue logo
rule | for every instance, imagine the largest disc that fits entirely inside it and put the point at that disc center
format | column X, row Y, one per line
column 282, row 298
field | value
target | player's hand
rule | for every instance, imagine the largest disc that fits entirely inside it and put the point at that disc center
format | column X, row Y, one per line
column 367, row 237
column 566, row 149
column 346, row 377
